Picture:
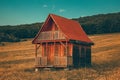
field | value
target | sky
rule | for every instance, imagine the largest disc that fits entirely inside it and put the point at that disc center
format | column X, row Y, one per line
column 16, row 12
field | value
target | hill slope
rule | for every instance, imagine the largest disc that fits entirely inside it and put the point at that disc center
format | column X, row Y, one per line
column 97, row 24
column 17, row 62
column 101, row 23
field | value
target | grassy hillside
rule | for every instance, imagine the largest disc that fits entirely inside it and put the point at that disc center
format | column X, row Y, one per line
column 17, row 62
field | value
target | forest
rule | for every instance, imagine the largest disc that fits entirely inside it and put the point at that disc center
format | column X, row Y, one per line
column 96, row 24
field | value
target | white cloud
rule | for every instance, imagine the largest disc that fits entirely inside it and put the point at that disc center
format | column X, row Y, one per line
column 45, row 6
column 61, row 10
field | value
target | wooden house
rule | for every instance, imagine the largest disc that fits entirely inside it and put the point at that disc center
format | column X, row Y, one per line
column 61, row 43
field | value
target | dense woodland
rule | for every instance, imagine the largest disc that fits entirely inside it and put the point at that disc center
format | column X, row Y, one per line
column 18, row 32
column 102, row 23
column 96, row 24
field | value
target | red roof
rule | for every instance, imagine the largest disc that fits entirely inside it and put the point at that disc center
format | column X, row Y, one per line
column 72, row 29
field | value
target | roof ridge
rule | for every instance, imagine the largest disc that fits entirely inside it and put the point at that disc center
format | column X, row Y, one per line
column 62, row 17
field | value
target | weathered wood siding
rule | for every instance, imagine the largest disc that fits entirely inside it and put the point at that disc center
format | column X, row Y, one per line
column 69, row 61
column 60, row 61
column 55, row 54
column 41, row 61
column 51, row 35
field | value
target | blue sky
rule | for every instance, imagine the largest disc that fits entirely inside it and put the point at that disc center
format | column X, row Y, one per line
column 15, row 12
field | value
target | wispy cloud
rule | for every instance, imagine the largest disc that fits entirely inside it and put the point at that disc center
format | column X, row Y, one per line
column 45, row 6
column 61, row 10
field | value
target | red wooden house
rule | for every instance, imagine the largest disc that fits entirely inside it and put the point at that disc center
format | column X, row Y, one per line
column 62, row 42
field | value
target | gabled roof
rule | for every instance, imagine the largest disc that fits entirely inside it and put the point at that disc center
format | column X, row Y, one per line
column 72, row 29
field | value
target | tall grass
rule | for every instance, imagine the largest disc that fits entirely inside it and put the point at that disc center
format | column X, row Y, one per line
column 17, row 62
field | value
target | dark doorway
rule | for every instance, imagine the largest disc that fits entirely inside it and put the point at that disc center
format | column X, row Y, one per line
column 76, row 56
column 88, row 56
column 82, row 57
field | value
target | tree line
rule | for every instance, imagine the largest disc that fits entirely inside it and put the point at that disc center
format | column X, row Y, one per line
column 102, row 23
column 16, row 33
column 96, row 24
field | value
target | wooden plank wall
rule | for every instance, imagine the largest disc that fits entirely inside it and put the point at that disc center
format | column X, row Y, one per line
column 51, row 35
column 41, row 61
column 60, row 61
column 56, row 53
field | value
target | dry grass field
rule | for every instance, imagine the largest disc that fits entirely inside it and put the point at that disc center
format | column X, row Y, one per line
column 17, row 62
